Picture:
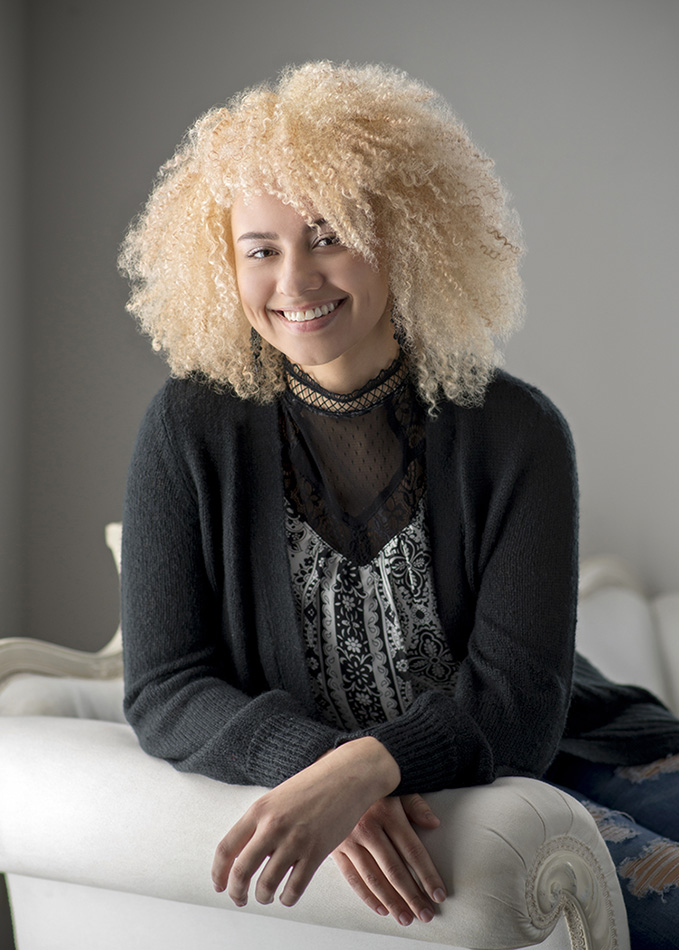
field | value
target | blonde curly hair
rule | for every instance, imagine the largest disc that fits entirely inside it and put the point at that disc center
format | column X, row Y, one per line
column 378, row 155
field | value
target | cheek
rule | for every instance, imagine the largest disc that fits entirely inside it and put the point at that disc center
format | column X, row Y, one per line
column 250, row 289
column 377, row 292
column 372, row 287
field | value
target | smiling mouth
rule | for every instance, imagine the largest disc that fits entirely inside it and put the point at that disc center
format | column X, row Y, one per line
column 304, row 316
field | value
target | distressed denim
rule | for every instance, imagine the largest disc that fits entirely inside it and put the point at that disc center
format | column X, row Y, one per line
column 637, row 812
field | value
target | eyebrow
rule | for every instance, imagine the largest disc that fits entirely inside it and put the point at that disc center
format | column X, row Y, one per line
column 258, row 236
column 271, row 236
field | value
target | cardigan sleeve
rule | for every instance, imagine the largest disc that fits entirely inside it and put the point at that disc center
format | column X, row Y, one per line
column 184, row 695
column 513, row 475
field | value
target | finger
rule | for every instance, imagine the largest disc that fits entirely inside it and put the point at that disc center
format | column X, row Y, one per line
column 298, row 881
column 416, row 856
column 367, row 879
column 386, row 875
column 227, row 850
column 271, row 876
column 419, row 812
column 355, row 881
column 397, row 849
column 242, row 870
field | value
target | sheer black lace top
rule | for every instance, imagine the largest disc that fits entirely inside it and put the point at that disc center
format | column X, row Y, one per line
column 354, row 464
column 358, row 547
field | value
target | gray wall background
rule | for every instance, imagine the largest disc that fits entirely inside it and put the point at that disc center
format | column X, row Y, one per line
column 576, row 101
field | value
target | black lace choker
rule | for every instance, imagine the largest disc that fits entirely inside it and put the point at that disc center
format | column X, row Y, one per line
column 374, row 392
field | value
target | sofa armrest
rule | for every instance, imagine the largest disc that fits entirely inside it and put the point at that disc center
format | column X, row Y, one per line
column 26, row 655
column 81, row 803
column 68, row 696
column 629, row 636
column 20, row 655
column 42, row 678
column 618, row 633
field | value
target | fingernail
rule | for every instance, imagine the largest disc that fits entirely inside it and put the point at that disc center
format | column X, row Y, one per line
column 426, row 915
column 382, row 911
column 439, row 895
column 218, row 888
column 405, row 919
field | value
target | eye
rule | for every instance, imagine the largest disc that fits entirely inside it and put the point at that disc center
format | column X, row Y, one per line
column 327, row 240
column 260, row 253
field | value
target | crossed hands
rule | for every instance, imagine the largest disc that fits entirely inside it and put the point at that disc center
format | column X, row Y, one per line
column 337, row 805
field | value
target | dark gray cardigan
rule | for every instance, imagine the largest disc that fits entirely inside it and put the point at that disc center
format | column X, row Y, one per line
column 215, row 673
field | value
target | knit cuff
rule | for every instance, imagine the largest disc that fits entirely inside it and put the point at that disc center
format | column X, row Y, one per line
column 285, row 745
column 435, row 746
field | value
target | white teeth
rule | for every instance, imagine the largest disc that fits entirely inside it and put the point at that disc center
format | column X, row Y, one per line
column 301, row 316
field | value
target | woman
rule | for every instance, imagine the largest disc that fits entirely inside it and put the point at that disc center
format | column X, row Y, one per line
column 350, row 562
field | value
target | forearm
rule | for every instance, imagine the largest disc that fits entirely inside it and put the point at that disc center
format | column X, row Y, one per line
column 209, row 727
column 196, row 689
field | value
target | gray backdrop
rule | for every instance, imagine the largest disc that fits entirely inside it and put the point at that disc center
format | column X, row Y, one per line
column 576, row 101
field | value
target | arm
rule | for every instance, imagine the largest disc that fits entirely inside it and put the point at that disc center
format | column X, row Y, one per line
column 503, row 523
column 507, row 716
column 175, row 673
column 196, row 693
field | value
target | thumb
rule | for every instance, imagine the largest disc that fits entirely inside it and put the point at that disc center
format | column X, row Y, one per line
column 418, row 812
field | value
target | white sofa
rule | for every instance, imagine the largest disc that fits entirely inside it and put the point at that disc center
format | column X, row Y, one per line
column 106, row 847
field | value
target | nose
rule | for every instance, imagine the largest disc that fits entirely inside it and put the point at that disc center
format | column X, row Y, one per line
column 299, row 273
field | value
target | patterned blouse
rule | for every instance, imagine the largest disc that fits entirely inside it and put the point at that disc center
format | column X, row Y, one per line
column 359, row 549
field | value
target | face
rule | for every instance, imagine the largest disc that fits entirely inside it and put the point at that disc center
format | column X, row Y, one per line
column 309, row 296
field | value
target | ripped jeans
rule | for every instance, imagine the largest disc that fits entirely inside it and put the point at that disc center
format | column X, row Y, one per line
column 636, row 809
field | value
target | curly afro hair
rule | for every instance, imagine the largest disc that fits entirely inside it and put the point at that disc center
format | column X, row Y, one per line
column 378, row 155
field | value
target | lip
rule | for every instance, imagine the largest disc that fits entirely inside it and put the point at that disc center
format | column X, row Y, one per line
column 317, row 323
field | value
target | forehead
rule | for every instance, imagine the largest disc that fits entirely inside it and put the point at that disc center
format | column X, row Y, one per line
column 265, row 213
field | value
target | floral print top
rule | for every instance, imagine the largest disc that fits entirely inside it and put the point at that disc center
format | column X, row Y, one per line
column 372, row 634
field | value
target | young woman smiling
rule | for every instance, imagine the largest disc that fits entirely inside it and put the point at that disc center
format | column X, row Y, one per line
column 350, row 540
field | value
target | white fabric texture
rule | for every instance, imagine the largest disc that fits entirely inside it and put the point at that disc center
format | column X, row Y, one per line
column 76, row 917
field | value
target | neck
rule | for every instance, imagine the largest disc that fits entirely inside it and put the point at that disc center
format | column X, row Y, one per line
column 352, row 371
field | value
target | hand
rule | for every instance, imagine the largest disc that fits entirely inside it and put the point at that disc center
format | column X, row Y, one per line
column 298, row 823
column 386, row 863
